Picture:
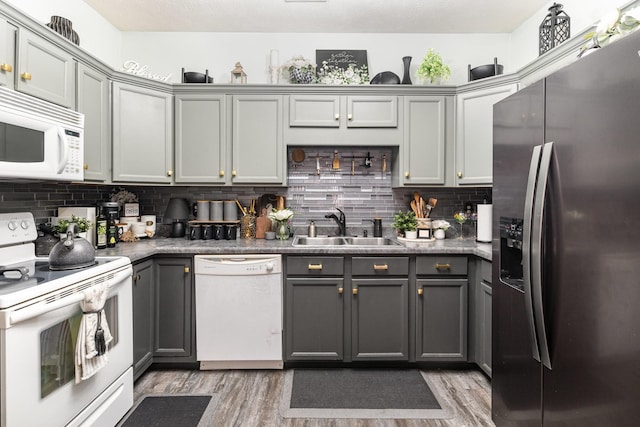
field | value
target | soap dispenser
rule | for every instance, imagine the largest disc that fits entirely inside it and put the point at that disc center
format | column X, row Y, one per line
column 312, row 229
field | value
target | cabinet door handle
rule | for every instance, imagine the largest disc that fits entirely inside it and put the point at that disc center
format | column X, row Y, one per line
column 350, row 117
column 337, row 116
column 169, row 173
column 406, row 174
column 354, row 291
column 380, row 267
column 86, row 167
column 6, row 67
column 314, row 267
column 420, row 291
column 234, row 173
column 221, row 173
column 25, row 76
column 443, row 266
column 136, row 277
column 459, row 174
column 340, row 291
column 186, row 269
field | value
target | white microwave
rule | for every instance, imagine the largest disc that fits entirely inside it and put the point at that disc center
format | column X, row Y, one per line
column 39, row 140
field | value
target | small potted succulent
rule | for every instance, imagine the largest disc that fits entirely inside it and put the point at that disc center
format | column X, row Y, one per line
column 405, row 223
column 432, row 69
column 63, row 223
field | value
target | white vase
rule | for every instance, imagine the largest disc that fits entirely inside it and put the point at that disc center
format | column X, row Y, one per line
column 439, row 234
column 411, row 234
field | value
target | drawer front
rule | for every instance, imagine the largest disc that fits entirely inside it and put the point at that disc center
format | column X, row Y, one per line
column 441, row 265
column 315, row 266
column 485, row 271
column 380, row 266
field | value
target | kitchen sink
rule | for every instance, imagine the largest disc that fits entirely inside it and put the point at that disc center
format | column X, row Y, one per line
column 343, row 241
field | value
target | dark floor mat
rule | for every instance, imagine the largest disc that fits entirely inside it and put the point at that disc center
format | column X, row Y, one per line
column 361, row 389
column 167, row 411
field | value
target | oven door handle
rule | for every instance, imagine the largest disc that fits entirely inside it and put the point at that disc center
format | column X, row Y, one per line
column 43, row 307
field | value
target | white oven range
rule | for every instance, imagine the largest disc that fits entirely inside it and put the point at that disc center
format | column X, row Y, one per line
column 40, row 316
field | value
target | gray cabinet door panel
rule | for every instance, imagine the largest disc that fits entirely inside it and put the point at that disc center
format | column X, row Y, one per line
column 315, row 266
column 93, row 102
column 8, row 64
column 45, row 70
column 441, row 325
column 372, row 111
column 441, row 265
column 143, row 302
column 314, row 328
column 380, row 319
column 316, row 111
column 200, row 139
column 380, row 266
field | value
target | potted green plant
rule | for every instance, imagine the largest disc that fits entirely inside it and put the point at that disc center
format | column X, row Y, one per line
column 63, row 223
column 433, row 69
column 404, row 222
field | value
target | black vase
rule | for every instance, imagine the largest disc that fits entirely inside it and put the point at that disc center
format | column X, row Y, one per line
column 406, row 78
column 64, row 27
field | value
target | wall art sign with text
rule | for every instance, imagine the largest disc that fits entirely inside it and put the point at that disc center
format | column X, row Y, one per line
column 133, row 67
column 341, row 58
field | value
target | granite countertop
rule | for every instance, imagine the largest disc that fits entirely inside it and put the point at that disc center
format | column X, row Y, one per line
column 171, row 246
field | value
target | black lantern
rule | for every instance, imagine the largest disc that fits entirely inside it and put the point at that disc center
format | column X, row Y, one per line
column 555, row 28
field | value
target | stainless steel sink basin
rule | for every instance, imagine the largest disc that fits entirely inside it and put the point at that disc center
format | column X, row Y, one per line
column 371, row 241
column 343, row 241
column 318, row 241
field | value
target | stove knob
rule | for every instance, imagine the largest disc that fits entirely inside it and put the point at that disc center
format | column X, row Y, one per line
column 24, row 224
column 12, row 225
column 270, row 266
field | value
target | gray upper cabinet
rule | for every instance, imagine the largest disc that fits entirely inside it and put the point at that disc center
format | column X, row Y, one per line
column 258, row 153
column 474, row 134
column 44, row 70
column 422, row 154
column 142, row 134
column 7, row 54
column 343, row 119
column 93, row 102
column 200, row 139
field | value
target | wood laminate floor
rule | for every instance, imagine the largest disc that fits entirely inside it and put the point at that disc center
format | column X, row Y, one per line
column 253, row 398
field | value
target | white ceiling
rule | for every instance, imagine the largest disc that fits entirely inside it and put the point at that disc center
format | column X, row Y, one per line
column 318, row 16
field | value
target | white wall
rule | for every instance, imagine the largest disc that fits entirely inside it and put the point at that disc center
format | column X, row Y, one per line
column 97, row 36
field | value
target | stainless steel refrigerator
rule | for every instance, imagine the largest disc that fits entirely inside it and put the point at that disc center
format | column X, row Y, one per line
column 566, row 246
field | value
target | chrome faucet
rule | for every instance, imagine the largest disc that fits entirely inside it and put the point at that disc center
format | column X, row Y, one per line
column 342, row 221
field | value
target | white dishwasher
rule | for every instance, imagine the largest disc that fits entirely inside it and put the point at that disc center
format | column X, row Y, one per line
column 239, row 311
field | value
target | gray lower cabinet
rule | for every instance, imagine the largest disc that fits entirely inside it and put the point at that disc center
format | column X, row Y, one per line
column 93, row 101
column 8, row 34
column 483, row 319
column 200, row 139
column 143, row 316
column 45, row 70
column 258, row 152
column 142, row 134
column 441, row 308
column 380, row 308
column 174, row 329
column 314, row 308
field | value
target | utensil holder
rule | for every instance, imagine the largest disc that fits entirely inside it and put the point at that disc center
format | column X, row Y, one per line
column 248, row 227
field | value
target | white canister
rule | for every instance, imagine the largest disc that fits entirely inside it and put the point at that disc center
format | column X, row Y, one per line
column 150, row 222
column 138, row 228
column 128, row 219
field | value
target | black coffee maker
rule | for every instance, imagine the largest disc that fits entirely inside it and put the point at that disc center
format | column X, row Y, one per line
column 177, row 214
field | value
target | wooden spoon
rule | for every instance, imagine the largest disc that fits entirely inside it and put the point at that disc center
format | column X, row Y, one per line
column 414, row 208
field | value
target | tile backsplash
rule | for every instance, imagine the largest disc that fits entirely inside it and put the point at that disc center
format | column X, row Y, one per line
column 314, row 189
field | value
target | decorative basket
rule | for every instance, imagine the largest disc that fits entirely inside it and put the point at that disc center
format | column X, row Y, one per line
column 298, row 76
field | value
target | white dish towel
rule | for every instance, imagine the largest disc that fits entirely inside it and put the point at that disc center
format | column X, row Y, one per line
column 90, row 358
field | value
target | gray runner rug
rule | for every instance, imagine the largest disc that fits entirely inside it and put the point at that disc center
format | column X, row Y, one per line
column 167, row 411
column 360, row 393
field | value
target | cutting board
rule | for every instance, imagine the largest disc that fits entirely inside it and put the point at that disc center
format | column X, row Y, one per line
column 263, row 224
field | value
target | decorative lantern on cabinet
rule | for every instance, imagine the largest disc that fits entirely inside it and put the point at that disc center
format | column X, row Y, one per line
column 554, row 29
column 238, row 76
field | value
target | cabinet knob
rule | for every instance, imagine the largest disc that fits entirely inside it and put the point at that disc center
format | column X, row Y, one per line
column 25, row 76
column 354, row 291
column 233, row 173
column 443, row 266
column 406, row 174
column 459, row 174
column 136, row 277
column 86, row 167
column 378, row 267
column 187, row 269
column 221, row 173
column 314, row 267
column 350, row 117
column 169, row 173
column 340, row 291
column 337, row 116
column 6, row 67
column 420, row 291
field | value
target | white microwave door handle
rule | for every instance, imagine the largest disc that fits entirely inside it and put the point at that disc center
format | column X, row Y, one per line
column 64, row 157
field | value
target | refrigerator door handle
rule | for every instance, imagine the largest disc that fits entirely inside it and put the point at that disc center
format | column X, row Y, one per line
column 526, row 248
column 536, row 252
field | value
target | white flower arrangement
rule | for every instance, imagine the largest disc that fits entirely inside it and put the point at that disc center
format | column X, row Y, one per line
column 440, row 223
column 337, row 76
column 300, row 70
column 280, row 215
column 613, row 26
